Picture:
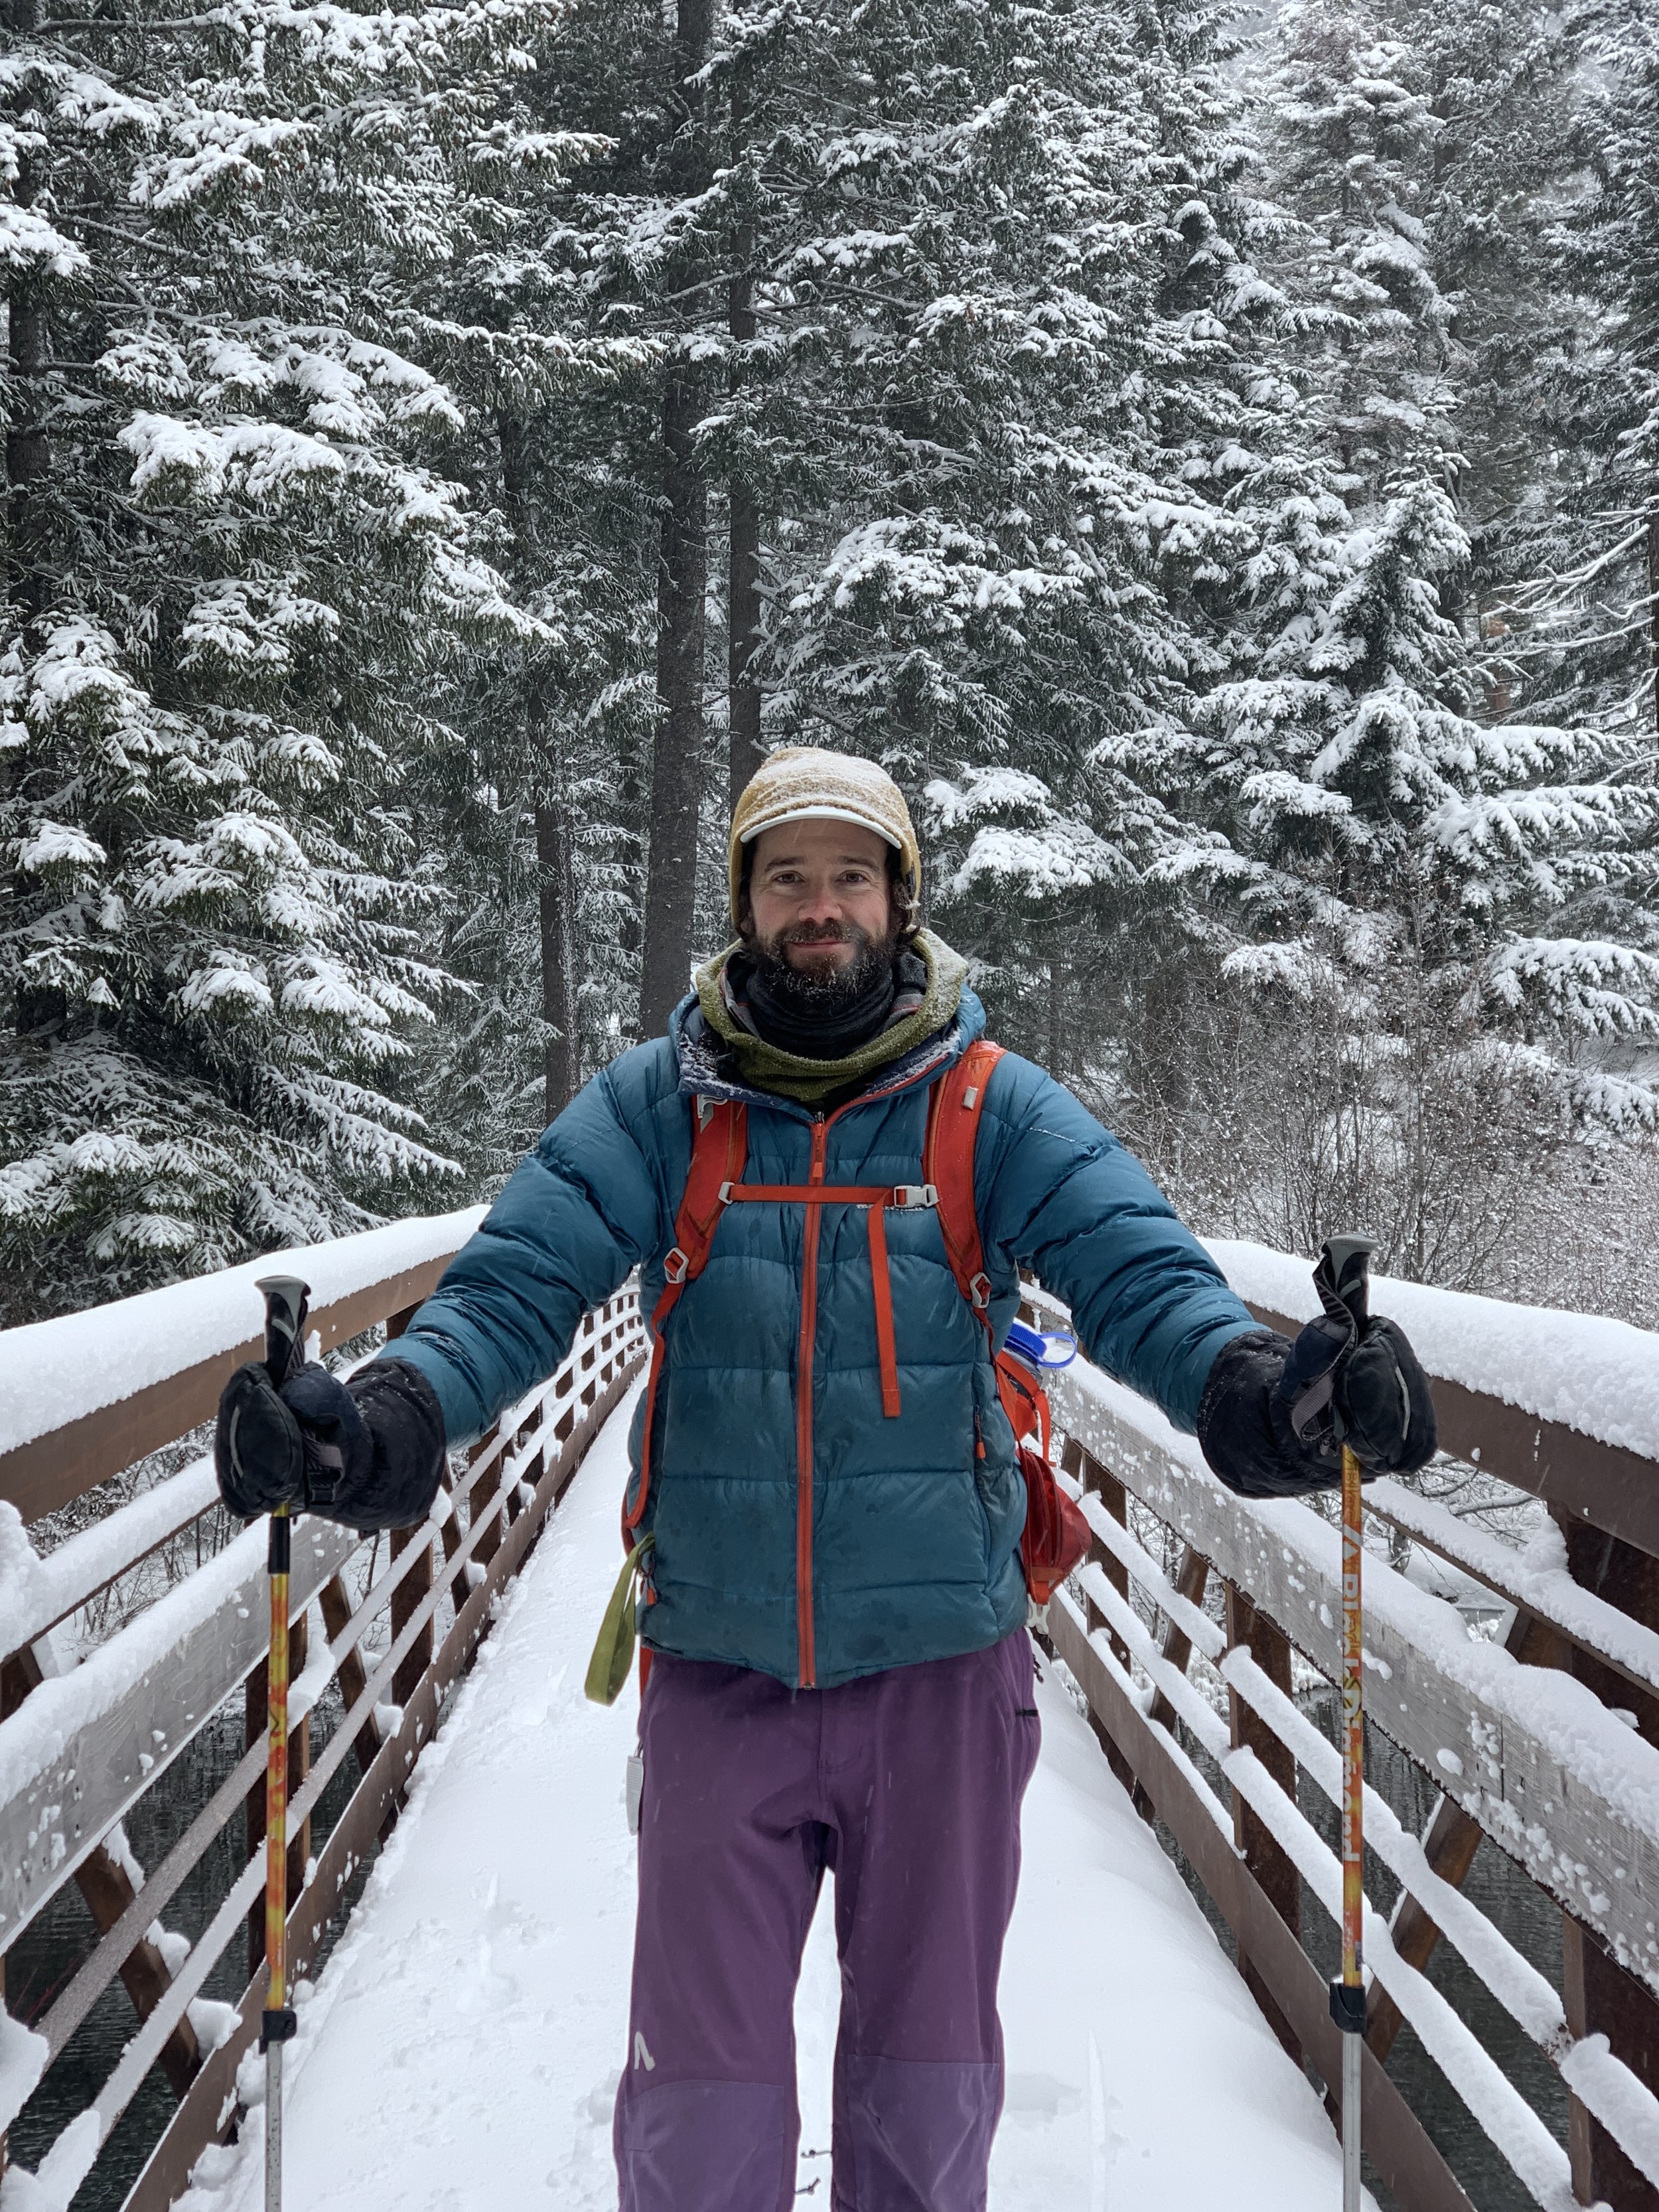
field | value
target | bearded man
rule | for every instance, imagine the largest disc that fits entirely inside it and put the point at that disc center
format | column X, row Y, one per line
column 835, row 1613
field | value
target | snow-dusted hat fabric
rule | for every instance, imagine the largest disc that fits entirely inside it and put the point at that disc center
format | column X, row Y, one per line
column 803, row 782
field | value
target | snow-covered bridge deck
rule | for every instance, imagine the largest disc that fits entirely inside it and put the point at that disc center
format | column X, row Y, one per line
column 464, row 2043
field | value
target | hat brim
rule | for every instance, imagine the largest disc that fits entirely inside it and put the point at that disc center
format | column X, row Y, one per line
column 809, row 813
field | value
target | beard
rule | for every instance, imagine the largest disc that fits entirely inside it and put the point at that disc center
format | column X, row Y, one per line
column 822, row 989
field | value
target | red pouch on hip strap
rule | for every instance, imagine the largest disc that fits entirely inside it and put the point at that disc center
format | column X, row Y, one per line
column 1057, row 1537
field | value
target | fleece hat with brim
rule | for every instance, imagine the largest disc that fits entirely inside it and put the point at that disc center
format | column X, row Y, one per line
column 802, row 783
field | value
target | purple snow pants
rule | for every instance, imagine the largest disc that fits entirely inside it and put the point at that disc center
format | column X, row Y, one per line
column 906, row 1787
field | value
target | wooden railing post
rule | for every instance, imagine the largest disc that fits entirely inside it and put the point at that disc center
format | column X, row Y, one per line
column 1266, row 1857
column 107, row 1888
column 1076, row 1462
column 1450, row 1843
column 480, row 1493
column 405, row 1603
column 299, row 1760
column 1601, row 1997
column 104, row 1882
column 1192, row 1580
column 406, row 1598
column 336, row 1603
column 1098, row 1482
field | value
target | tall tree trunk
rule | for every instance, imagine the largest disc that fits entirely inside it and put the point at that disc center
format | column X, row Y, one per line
column 742, row 579
column 677, row 764
column 554, row 888
column 676, row 750
column 744, row 693
column 1652, row 605
column 555, row 873
column 28, row 453
column 39, row 1012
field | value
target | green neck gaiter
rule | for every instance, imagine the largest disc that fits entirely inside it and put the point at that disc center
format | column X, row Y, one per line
column 810, row 1082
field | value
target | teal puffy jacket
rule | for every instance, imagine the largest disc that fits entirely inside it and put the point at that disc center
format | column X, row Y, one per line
column 913, row 1550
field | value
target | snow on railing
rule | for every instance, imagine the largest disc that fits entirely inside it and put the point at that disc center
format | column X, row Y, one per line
column 1546, row 1739
column 80, row 1744
column 52, row 1372
column 1586, row 1372
column 84, row 1395
column 1567, row 1404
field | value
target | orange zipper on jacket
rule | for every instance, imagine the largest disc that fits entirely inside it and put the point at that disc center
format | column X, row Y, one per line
column 806, row 1656
column 805, row 1641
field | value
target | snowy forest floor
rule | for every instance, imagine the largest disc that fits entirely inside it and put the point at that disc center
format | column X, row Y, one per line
column 463, row 2046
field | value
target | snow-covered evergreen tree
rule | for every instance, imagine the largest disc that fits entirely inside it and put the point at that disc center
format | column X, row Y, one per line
column 1409, row 884
column 1231, row 517
column 1589, row 583
column 990, row 276
column 537, row 809
column 234, row 566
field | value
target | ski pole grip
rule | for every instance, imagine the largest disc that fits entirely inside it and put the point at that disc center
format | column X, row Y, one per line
column 285, row 1304
column 1343, row 1278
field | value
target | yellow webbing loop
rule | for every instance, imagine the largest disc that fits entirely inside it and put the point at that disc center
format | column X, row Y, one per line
column 613, row 1651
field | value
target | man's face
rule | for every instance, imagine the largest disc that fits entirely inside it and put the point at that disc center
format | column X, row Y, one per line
column 818, row 896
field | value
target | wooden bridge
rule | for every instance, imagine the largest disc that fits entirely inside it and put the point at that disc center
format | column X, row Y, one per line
column 456, row 2048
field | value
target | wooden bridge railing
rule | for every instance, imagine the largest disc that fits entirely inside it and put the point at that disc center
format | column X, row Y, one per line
column 1546, row 1741
column 82, row 1744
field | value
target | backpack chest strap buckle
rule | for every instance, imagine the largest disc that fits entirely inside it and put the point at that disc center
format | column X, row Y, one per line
column 907, row 1196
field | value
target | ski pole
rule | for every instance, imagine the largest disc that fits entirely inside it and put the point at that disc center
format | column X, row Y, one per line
column 285, row 1298
column 1343, row 1267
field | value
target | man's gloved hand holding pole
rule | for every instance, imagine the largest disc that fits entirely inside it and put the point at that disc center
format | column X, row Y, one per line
column 1355, row 1382
column 368, row 1451
column 288, row 1446
column 1277, row 1413
column 1345, row 1401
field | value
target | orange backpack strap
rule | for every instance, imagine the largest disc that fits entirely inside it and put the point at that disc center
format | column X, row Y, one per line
column 953, row 1112
column 1056, row 1537
column 720, row 1148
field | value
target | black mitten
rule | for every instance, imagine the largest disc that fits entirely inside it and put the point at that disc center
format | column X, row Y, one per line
column 368, row 1451
column 258, row 1449
column 338, row 1451
column 391, row 1483
column 1367, row 1391
column 1274, row 1414
column 1235, row 1427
